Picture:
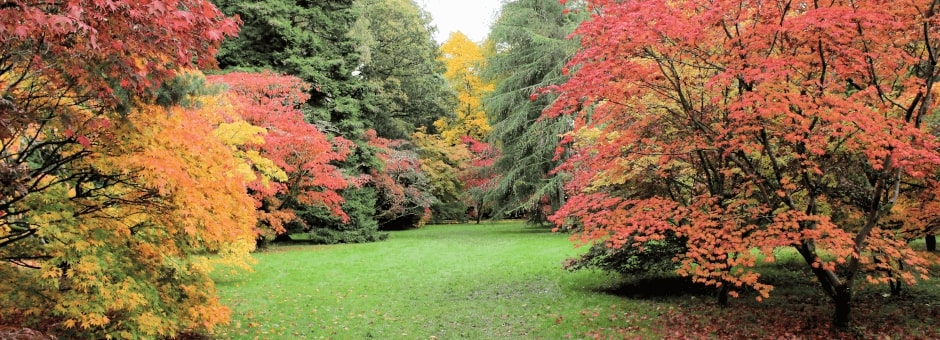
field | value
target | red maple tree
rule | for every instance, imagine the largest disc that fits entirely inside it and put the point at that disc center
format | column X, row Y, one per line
column 403, row 189
column 78, row 66
column 478, row 177
column 305, row 153
column 106, row 47
column 754, row 126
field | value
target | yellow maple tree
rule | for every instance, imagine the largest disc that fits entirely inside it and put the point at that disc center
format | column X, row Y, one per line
column 465, row 61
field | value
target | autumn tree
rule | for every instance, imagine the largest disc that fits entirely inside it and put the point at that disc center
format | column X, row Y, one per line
column 272, row 102
column 308, row 40
column 312, row 41
column 125, row 232
column 742, row 127
column 464, row 60
column 403, row 190
column 532, row 47
column 444, row 163
column 478, row 176
column 94, row 241
column 59, row 60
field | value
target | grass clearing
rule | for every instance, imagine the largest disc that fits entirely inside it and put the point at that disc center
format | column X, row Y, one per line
column 496, row 280
column 504, row 281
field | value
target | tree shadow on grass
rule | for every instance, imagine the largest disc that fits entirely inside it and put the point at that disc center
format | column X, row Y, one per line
column 796, row 308
column 528, row 229
column 662, row 287
column 804, row 316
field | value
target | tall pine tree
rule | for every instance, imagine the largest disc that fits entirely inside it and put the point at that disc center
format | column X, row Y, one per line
column 307, row 39
column 530, row 37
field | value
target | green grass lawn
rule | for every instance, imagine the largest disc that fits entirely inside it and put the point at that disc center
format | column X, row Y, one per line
column 504, row 281
column 496, row 280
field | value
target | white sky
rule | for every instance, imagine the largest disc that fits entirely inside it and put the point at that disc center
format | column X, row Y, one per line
column 472, row 17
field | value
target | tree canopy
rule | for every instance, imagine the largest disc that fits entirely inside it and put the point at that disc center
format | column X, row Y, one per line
column 756, row 127
column 699, row 136
column 110, row 203
column 296, row 148
column 400, row 60
column 308, row 40
column 465, row 62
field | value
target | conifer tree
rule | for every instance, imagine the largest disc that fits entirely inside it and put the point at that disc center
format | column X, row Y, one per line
column 531, row 49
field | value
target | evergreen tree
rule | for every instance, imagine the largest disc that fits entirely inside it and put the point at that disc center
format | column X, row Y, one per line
column 531, row 50
column 399, row 59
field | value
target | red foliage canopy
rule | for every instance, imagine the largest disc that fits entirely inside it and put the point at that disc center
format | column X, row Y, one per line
column 273, row 102
column 102, row 43
column 403, row 188
column 739, row 126
column 483, row 155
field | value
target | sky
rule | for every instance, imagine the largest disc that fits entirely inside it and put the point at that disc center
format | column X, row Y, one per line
column 472, row 17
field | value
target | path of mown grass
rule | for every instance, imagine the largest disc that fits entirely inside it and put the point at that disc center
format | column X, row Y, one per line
column 497, row 280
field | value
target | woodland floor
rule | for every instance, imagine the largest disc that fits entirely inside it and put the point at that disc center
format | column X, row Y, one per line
column 504, row 281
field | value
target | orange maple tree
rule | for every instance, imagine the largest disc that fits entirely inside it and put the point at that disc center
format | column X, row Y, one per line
column 120, row 238
column 109, row 204
column 68, row 71
column 742, row 128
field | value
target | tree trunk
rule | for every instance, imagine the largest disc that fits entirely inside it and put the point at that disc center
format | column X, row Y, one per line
column 895, row 286
column 843, row 301
column 723, row 295
column 931, row 242
column 479, row 211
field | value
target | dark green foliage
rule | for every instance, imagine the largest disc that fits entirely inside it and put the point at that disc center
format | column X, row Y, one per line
column 404, row 222
column 654, row 257
column 531, row 49
column 307, row 39
column 327, row 229
column 311, row 40
column 180, row 90
column 451, row 211
column 399, row 60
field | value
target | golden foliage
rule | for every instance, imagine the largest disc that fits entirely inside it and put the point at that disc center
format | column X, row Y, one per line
column 464, row 60
column 125, row 238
